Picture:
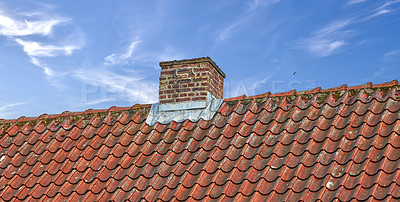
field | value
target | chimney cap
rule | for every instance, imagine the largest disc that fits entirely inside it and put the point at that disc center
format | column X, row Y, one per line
column 193, row 61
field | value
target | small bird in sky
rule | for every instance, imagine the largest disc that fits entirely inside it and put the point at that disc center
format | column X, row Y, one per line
column 294, row 73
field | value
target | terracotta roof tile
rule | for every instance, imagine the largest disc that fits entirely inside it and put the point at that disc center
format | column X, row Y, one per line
column 335, row 144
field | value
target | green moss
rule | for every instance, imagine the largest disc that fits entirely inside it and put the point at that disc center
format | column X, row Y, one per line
column 102, row 115
column 246, row 101
column 354, row 92
column 291, row 98
column 6, row 125
column 276, row 99
column 231, row 103
column 47, row 121
column 75, row 118
column 116, row 113
column 336, row 95
column 144, row 111
column 60, row 119
column 321, row 97
column 261, row 99
column 21, row 123
column 33, row 122
column 386, row 90
column 307, row 97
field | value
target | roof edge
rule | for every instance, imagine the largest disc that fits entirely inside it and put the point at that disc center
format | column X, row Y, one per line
column 343, row 87
column 68, row 113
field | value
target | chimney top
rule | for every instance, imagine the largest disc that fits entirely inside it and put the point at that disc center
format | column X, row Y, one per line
column 192, row 61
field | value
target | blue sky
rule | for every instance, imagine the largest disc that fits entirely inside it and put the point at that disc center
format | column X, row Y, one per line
column 76, row 55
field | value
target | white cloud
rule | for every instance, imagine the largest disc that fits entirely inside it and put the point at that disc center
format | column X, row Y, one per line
column 18, row 24
column 95, row 102
column 355, row 1
column 244, row 18
column 327, row 40
column 333, row 28
column 380, row 71
column 383, row 9
column 387, row 4
column 324, row 47
column 122, row 58
column 377, row 13
column 13, row 27
column 47, row 70
column 391, row 53
column 131, row 86
column 227, row 31
column 37, row 49
column 261, row 3
column 334, row 36
column 6, row 110
column 21, row 26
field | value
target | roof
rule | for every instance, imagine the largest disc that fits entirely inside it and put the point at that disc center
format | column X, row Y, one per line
column 341, row 143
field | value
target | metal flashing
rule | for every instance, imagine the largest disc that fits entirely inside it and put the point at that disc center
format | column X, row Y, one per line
column 179, row 113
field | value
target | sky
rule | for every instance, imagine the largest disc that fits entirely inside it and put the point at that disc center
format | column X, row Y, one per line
column 58, row 56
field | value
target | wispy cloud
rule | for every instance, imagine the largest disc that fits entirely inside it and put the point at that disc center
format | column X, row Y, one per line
column 391, row 53
column 7, row 110
column 47, row 70
column 37, row 49
column 22, row 27
column 229, row 30
column 122, row 58
column 254, row 4
column 382, row 9
column 247, row 87
column 131, row 85
column 377, row 13
column 380, row 71
column 333, row 37
column 325, row 47
column 328, row 40
column 95, row 102
column 351, row 2
column 244, row 18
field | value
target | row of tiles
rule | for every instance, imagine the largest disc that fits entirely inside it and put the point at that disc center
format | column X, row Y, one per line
column 252, row 109
column 165, row 176
column 229, row 135
column 214, row 191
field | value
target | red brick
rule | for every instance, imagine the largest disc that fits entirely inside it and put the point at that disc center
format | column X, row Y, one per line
column 166, row 101
column 198, row 98
column 168, row 72
column 180, row 90
column 182, row 99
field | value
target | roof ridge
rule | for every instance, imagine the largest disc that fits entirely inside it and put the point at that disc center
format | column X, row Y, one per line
column 70, row 114
column 343, row 87
column 293, row 92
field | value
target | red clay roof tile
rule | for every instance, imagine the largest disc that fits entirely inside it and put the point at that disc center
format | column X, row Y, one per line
column 335, row 144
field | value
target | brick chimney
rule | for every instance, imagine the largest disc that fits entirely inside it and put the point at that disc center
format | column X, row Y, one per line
column 189, row 84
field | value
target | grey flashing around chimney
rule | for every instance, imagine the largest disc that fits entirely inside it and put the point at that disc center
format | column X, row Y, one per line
column 201, row 104
column 180, row 114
